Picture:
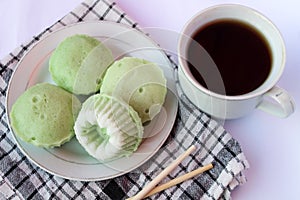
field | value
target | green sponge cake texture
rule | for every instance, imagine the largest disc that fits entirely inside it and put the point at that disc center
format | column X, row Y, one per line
column 78, row 64
column 44, row 115
column 138, row 82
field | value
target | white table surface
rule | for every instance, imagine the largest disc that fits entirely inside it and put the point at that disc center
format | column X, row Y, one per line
column 271, row 145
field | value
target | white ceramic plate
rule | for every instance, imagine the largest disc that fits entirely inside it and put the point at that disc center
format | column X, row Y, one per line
column 71, row 161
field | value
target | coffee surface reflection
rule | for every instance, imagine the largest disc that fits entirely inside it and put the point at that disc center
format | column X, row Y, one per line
column 241, row 54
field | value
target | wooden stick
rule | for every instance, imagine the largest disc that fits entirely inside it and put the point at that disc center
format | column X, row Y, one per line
column 179, row 179
column 163, row 174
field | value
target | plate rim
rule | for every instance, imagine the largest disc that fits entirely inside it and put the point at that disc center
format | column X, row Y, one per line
column 119, row 172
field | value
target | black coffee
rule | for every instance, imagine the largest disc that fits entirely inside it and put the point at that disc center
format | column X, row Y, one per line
column 240, row 53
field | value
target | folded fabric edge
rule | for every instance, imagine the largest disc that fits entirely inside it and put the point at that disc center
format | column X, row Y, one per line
column 230, row 178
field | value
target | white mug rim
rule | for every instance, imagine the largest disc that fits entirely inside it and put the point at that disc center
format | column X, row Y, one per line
column 252, row 94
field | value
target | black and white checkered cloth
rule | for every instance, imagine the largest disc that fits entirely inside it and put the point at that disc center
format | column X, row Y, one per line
column 20, row 179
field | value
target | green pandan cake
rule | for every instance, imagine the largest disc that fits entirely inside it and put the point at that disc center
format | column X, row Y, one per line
column 138, row 82
column 78, row 64
column 108, row 128
column 44, row 115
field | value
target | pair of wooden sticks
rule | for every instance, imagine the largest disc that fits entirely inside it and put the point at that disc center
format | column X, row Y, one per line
column 150, row 189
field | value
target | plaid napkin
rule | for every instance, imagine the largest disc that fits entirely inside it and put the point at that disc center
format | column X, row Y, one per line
column 20, row 179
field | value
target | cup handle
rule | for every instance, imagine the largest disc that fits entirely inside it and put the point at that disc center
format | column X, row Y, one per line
column 277, row 102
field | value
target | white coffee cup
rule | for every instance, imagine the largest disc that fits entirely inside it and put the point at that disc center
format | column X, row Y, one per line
column 267, row 97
